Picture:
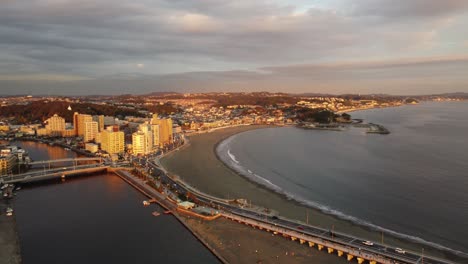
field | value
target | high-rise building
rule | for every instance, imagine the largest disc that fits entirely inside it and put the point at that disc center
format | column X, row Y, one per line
column 75, row 123
column 155, row 130
column 113, row 142
column 55, row 125
column 100, row 120
column 79, row 121
column 90, row 131
column 146, row 129
column 139, row 143
column 165, row 129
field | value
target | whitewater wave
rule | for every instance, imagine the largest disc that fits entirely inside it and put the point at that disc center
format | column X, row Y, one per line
column 233, row 158
column 234, row 164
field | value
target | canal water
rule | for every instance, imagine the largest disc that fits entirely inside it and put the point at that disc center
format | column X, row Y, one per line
column 96, row 219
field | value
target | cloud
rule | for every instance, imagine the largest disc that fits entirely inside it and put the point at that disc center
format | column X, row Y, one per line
column 194, row 23
column 399, row 76
column 95, row 39
column 414, row 9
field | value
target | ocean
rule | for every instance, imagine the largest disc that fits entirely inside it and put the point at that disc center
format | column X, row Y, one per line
column 412, row 183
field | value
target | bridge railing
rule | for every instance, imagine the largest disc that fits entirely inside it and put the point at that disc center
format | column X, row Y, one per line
column 74, row 160
column 42, row 173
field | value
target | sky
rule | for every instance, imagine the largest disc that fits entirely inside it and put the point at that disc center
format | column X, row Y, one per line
column 88, row 47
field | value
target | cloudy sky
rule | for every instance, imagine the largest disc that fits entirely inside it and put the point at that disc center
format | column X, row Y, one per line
column 326, row 46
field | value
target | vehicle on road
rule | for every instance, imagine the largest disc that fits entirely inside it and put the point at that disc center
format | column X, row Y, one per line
column 399, row 250
column 368, row 243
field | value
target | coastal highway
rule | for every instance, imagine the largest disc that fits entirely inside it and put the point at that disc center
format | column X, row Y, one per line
column 338, row 238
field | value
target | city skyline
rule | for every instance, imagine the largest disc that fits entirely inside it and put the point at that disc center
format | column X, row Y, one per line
column 60, row 47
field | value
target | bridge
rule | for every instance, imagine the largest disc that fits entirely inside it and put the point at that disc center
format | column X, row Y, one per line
column 72, row 160
column 48, row 174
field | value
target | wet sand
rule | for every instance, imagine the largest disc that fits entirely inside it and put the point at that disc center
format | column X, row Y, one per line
column 198, row 165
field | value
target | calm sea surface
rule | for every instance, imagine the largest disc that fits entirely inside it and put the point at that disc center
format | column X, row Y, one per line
column 96, row 219
column 412, row 183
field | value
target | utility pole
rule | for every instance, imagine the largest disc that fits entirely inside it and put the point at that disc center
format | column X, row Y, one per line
column 422, row 256
column 307, row 216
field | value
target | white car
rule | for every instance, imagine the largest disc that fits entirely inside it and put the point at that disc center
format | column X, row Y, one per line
column 399, row 250
column 368, row 243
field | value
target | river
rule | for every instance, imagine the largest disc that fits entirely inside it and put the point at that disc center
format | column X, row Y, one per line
column 411, row 183
column 96, row 219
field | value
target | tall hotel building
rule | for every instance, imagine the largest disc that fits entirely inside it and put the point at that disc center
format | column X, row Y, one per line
column 112, row 142
column 165, row 129
column 90, row 131
column 55, row 126
column 79, row 121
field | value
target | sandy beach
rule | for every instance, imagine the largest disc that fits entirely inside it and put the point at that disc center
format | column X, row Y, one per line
column 242, row 244
column 198, row 165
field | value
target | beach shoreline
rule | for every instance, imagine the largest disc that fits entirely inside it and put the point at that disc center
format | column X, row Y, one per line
column 287, row 207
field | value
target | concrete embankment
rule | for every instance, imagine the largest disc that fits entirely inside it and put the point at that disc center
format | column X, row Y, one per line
column 9, row 242
column 151, row 193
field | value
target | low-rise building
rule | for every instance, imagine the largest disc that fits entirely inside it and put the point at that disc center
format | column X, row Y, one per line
column 91, row 147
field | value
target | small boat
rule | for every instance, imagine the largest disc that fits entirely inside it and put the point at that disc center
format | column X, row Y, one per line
column 167, row 212
column 146, row 203
column 156, row 213
column 4, row 186
column 9, row 214
column 9, row 210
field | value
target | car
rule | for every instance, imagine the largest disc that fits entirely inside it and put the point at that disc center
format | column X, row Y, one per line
column 300, row 227
column 368, row 243
column 399, row 250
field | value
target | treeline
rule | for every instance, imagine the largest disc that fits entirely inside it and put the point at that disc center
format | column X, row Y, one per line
column 253, row 99
column 39, row 111
column 162, row 109
column 320, row 115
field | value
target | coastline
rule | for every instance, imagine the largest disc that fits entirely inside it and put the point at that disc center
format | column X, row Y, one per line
column 365, row 109
column 227, row 183
column 232, row 242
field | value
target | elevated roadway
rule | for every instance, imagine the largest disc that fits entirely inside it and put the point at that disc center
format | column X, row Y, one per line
column 53, row 173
